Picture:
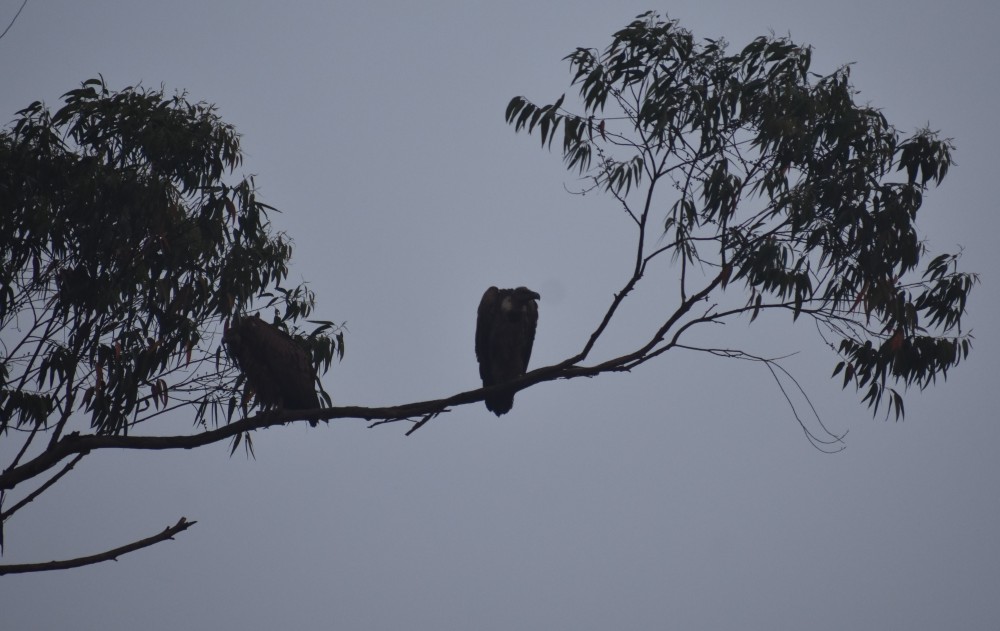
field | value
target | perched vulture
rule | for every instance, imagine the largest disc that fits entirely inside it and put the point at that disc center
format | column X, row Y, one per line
column 505, row 331
column 276, row 366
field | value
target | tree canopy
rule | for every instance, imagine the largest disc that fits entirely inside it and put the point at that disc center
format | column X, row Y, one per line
column 749, row 168
column 122, row 248
column 126, row 251
column 125, row 254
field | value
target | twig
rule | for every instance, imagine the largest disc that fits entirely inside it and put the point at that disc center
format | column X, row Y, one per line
column 422, row 421
column 111, row 555
column 14, row 19
column 31, row 496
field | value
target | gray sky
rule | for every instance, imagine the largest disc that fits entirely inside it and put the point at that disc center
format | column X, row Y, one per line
column 681, row 496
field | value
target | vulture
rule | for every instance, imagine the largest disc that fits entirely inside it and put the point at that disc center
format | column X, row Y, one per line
column 505, row 331
column 275, row 365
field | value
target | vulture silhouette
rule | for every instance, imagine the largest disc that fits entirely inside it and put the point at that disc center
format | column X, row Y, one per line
column 505, row 332
column 274, row 364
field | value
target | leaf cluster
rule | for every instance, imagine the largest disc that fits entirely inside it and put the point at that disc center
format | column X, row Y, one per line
column 776, row 177
column 123, row 253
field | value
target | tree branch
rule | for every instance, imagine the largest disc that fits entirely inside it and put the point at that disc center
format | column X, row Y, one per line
column 111, row 555
column 14, row 19
column 31, row 496
column 74, row 443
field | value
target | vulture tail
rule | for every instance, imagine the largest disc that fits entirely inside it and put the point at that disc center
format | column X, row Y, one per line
column 500, row 404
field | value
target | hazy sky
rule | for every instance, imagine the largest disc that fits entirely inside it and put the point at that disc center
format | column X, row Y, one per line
column 682, row 496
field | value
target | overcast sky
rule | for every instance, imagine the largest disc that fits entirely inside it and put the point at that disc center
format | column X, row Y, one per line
column 682, row 496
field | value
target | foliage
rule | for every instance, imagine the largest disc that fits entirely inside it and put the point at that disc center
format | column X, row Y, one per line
column 776, row 179
column 124, row 254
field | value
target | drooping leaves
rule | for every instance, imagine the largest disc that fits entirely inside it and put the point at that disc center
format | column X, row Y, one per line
column 123, row 251
column 778, row 175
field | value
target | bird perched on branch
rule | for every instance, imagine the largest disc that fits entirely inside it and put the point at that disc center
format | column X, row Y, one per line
column 275, row 365
column 505, row 332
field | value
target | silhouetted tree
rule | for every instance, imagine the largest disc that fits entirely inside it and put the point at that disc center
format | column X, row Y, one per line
column 124, row 254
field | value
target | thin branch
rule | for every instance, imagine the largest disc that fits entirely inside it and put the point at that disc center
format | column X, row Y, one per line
column 14, row 19
column 814, row 440
column 615, row 303
column 773, row 365
column 31, row 496
column 111, row 555
column 423, row 421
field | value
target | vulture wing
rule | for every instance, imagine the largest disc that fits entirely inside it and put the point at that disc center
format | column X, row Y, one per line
column 529, row 324
column 489, row 309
